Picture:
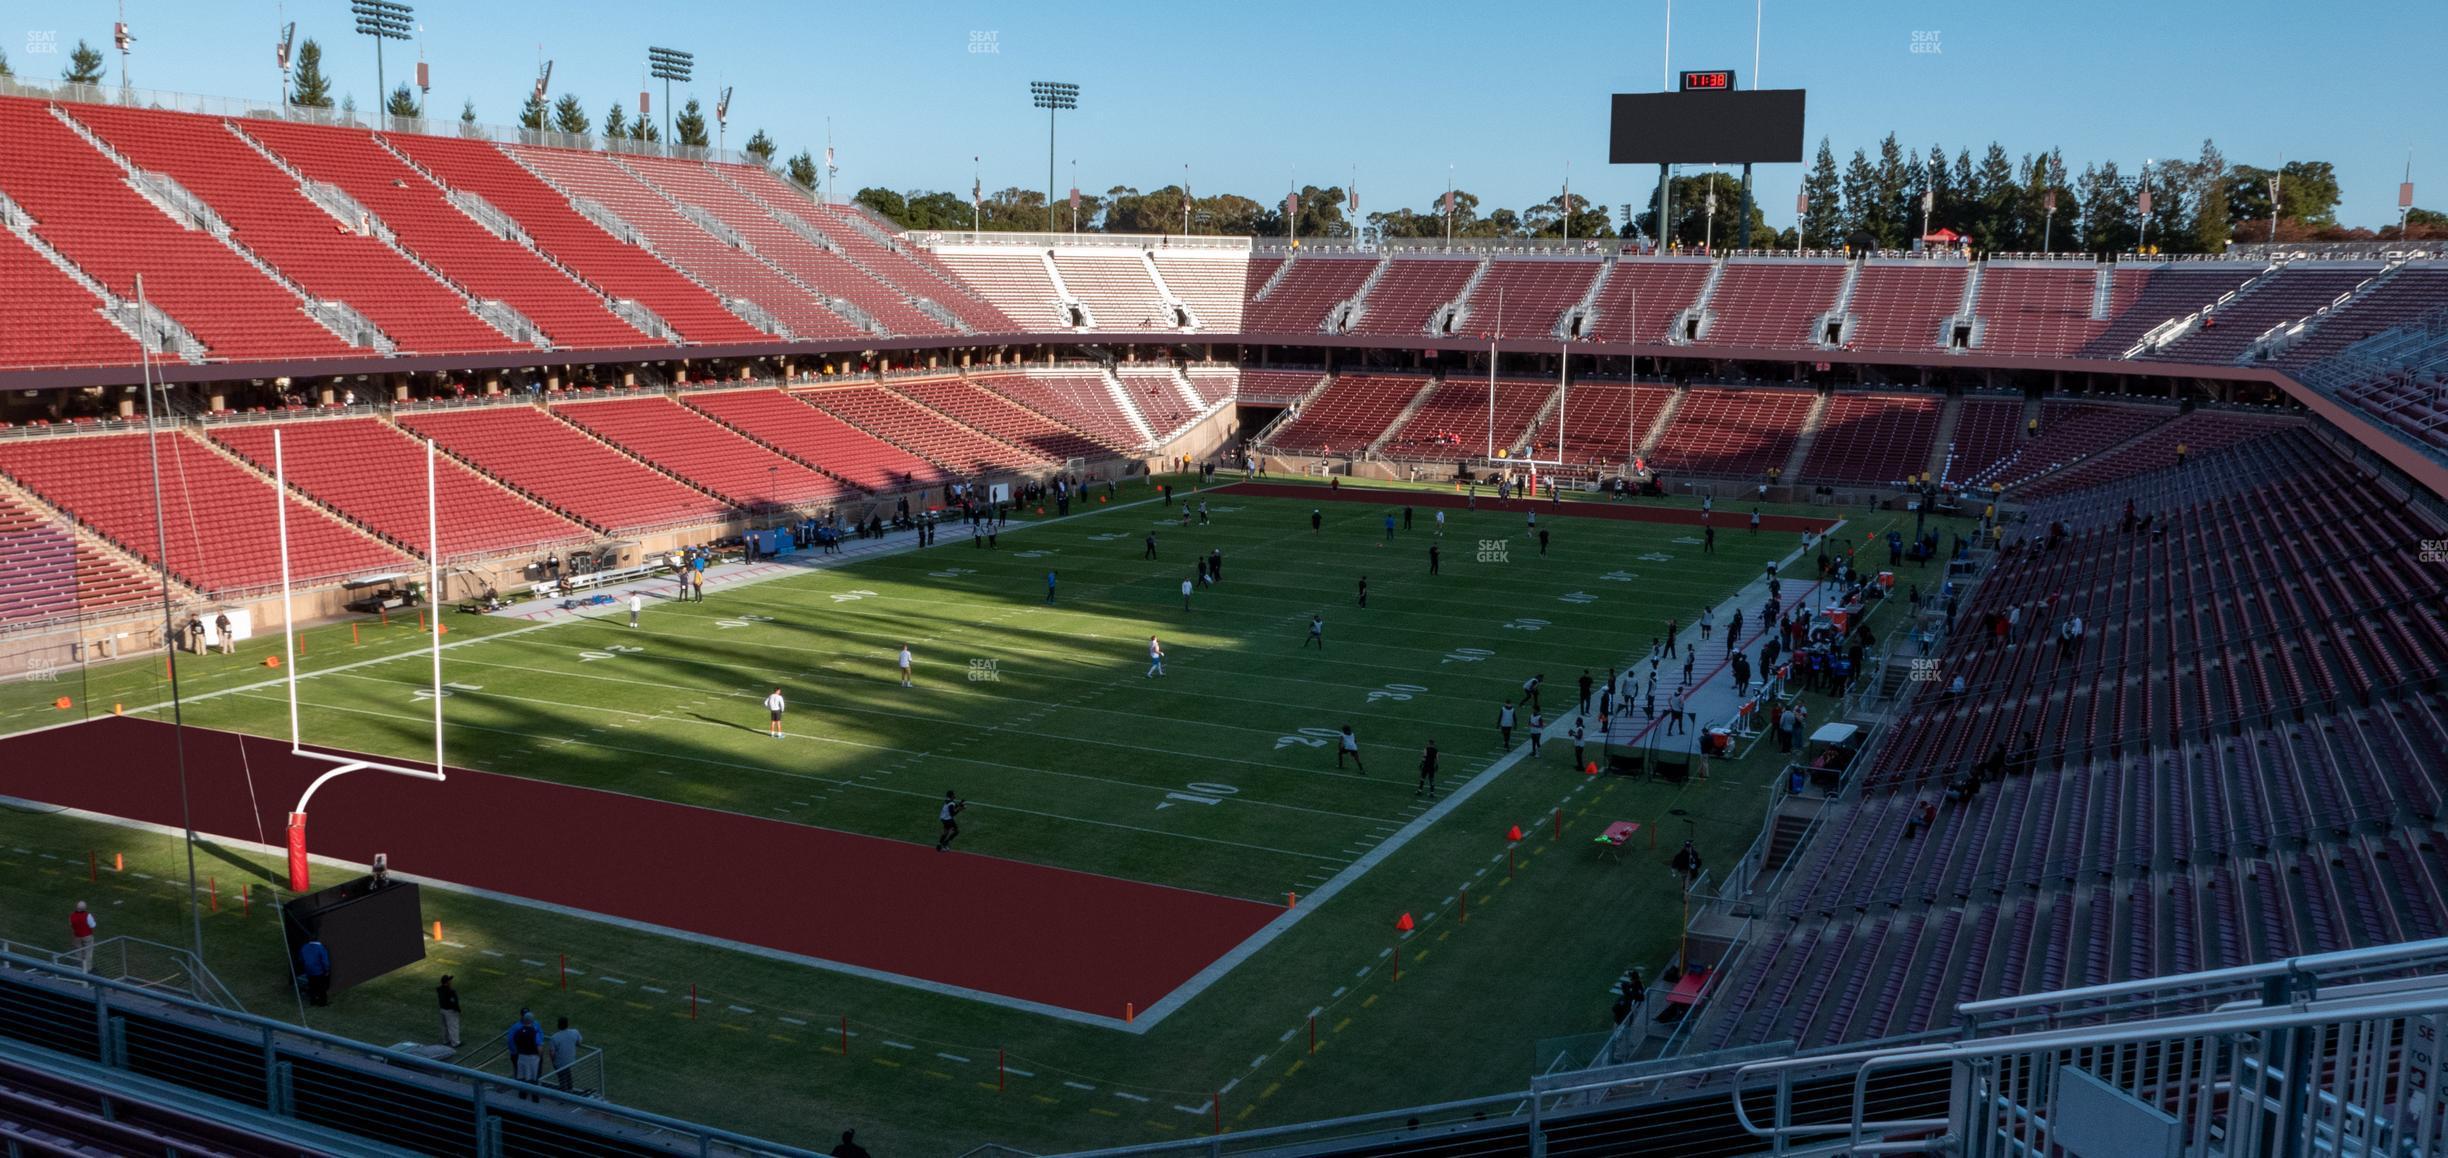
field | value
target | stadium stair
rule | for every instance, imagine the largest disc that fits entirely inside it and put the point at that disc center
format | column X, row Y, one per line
column 1809, row 436
column 1656, row 430
column 1942, row 445
column 1410, row 409
column 1347, row 317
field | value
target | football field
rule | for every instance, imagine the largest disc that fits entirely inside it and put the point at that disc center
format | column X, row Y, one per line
column 1219, row 777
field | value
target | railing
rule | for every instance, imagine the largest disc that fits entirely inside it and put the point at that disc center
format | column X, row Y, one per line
column 214, row 1051
column 271, row 109
column 936, row 239
column 2317, row 1054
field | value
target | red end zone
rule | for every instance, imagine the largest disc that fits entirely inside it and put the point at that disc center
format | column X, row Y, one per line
column 1732, row 516
column 1073, row 940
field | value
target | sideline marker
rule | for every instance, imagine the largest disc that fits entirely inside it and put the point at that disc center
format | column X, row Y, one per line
column 1466, row 904
column 1559, row 825
column 246, row 901
column 214, row 885
column 1002, row 1075
column 93, row 866
column 565, row 971
column 692, row 1001
column 118, row 862
column 1403, row 924
column 353, row 640
column 845, row 1035
column 437, row 932
column 1291, row 900
column 1130, row 1013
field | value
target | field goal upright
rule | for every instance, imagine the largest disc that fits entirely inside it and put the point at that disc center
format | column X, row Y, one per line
column 1501, row 457
column 300, row 878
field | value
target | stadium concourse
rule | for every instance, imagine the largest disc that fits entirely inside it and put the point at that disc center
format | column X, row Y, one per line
column 2153, row 690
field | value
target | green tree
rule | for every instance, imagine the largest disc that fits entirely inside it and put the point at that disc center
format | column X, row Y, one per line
column 2210, row 226
column 2109, row 224
column 84, row 65
column 1547, row 218
column 1823, row 206
column 1997, row 223
column 1947, row 198
column 310, row 88
column 5, row 71
column 2169, row 221
column 802, row 170
column 467, row 111
column 615, row 122
column 403, row 103
column 2044, row 183
column 569, row 116
column 1688, row 220
column 348, row 108
column 642, row 129
column 2307, row 195
column 532, row 114
column 689, row 127
column 762, row 148
column 1866, row 216
column 893, row 206
column 1890, row 179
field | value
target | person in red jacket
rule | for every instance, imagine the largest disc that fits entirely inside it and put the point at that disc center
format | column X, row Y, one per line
column 81, row 925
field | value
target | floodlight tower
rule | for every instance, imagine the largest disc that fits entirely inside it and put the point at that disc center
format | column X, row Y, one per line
column 1053, row 96
column 668, row 65
column 383, row 20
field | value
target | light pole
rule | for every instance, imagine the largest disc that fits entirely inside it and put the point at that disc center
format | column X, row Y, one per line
column 1053, row 96
column 668, row 65
column 383, row 20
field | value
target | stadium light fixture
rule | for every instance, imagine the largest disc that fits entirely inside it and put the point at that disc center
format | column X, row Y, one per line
column 1053, row 96
column 668, row 65
column 383, row 20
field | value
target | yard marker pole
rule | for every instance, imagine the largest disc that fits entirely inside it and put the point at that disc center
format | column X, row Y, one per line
column 93, row 867
column 214, row 884
column 1002, row 1075
column 118, row 862
column 246, row 901
column 565, row 971
column 353, row 640
column 845, row 1035
column 433, row 596
column 1217, row 1098
column 692, row 1001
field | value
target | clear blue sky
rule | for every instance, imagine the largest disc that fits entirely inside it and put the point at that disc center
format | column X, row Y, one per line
column 1257, row 93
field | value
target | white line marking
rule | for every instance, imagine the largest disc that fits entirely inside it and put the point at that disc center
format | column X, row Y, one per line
column 790, row 1020
column 1131, row 1096
column 900, row 1045
column 1079, row 1085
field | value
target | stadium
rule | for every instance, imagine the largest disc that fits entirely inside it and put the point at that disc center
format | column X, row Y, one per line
column 1950, row 668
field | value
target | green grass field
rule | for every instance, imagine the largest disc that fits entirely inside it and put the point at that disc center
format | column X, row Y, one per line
column 1042, row 717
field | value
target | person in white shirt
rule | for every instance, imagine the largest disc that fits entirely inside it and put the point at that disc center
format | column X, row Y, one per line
column 1185, row 595
column 1349, row 745
column 948, row 816
column 1155, row 658
column 1440, row 516
column 905, row 665
column 637, row 603
column 773, row 714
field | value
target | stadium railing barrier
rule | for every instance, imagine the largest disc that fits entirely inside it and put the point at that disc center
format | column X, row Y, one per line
column 326, row 1080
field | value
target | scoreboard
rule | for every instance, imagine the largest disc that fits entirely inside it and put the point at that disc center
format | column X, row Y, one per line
column 1712, row 80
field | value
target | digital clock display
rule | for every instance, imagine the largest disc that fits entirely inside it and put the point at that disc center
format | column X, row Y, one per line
column 1722, row 78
